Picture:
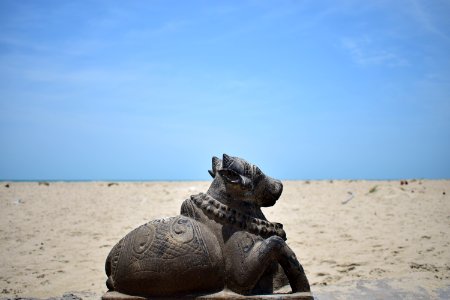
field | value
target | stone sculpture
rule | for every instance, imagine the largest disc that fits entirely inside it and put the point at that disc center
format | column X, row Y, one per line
column 221, row 240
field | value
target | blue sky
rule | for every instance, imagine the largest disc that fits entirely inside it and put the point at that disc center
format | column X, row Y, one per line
column 151, row 90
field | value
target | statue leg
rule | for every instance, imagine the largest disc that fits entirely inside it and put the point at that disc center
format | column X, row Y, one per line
column 247, row 272
column 292, row 268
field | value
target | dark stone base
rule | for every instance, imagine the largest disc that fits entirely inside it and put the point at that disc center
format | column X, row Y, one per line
column 221, row 295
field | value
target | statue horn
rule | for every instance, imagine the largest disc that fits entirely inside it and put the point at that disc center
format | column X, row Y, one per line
column 227, row 160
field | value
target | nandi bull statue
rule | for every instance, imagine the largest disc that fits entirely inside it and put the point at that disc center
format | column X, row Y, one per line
column 221, row 241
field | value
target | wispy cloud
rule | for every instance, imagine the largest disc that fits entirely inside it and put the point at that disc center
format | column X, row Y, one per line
column 365, row 52
column 427, row 19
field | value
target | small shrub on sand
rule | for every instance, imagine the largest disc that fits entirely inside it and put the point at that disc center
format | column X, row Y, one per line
column 373, row 190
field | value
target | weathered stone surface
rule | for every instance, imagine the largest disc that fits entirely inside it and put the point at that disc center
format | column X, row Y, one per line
column 221, row 240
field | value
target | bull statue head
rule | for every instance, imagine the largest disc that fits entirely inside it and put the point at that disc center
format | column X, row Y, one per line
column 235, row 179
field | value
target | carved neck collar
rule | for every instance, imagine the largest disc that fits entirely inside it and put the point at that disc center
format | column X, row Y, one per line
column 222, row 213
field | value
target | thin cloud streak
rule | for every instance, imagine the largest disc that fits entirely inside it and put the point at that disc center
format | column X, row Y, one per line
column 365, row 52
column 423, row 17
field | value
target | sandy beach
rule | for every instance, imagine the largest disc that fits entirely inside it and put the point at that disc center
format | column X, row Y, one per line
column 54, row 237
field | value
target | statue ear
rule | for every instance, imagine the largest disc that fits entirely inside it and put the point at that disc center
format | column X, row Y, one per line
column 233, row 177
column 230, row 176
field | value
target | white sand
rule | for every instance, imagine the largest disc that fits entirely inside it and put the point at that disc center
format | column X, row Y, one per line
column 55, row 238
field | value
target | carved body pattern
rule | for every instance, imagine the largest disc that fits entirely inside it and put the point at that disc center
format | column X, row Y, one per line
column 220, row 240
column 162, row 256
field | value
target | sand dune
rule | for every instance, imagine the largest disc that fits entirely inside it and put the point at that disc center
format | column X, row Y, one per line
column 54, row 238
